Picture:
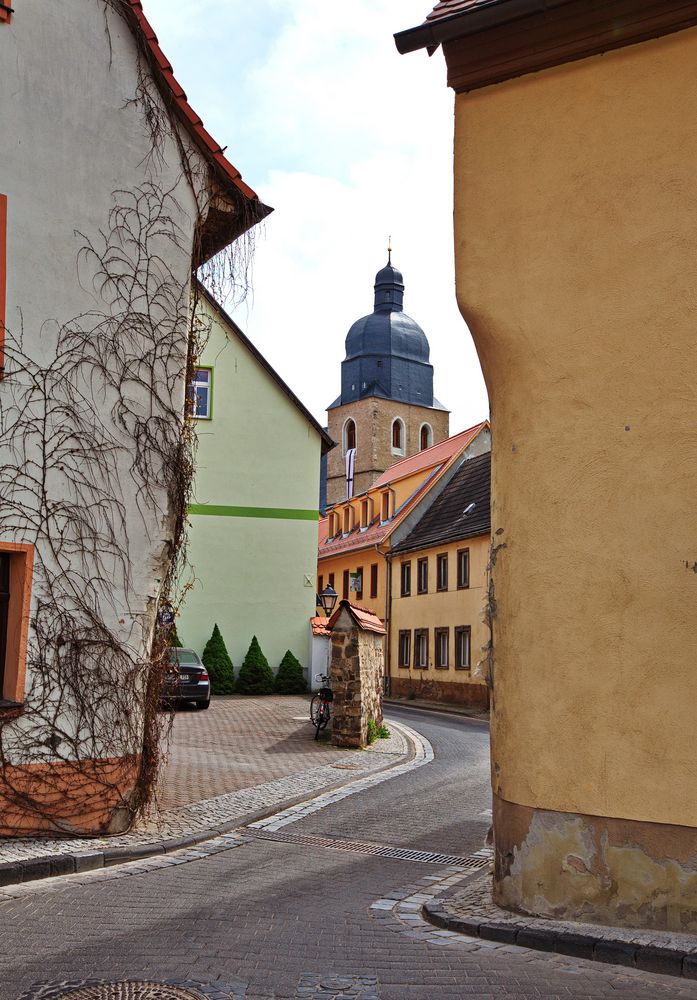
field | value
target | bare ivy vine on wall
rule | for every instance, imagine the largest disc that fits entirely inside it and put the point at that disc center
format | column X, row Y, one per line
column 96, row 450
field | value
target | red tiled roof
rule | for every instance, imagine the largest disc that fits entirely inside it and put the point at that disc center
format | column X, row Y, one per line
column 363, row 617
column 319, row 625
column 432, row 462
column 227, row 173
column 429, row 457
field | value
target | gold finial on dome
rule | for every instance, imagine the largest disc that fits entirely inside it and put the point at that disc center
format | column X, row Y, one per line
column 389, row 249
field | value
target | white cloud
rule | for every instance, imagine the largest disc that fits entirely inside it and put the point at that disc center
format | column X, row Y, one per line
column 349, row 142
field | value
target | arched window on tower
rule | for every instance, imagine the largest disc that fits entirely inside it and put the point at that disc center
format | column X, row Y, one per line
column 425, row 436
column 397, row 437
column 349, row 435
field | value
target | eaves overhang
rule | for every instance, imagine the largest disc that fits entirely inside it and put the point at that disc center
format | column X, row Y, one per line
column 489, row 41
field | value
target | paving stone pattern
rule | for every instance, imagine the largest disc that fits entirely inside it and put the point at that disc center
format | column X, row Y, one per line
column 304, row 773
column 278, row 917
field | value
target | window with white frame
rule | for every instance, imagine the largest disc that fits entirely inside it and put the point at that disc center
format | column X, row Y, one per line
column 425, row 436
column 404, row 658
column 398, row 437
column 463, row 643
column 441, row 637
column 421, row 648
column 202, row 394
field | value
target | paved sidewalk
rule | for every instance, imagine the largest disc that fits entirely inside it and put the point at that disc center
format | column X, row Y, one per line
column 469, row 909
column 236, row 762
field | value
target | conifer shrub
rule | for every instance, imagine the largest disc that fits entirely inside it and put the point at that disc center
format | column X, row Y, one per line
column 219, row 665
column 290, row 678
column 255, row 676
column 174, row 639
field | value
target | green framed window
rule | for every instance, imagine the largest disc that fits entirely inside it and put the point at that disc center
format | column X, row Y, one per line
column 201, row 393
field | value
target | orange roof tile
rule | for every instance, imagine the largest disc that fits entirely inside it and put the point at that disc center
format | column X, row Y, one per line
column 432, row 462
column 426, row 459
column 227, row 174
column 319, row 626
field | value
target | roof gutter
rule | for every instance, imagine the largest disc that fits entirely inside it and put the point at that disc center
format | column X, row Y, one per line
column 431, row 34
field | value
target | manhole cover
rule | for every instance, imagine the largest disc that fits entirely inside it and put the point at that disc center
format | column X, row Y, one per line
column 131, row 991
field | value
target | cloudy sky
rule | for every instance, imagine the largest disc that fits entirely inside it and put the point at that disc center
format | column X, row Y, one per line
column 350, row 143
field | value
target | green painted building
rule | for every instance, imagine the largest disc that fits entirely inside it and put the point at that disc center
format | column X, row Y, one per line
column 253, row 534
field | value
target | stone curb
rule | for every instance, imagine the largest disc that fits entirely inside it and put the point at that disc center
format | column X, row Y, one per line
column 648, row 958
column 427, row 706
column 51, row 866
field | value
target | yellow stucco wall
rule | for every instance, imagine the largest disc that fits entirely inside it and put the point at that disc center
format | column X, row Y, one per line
column 576, row 232
column 353, row 561
column 441, row 609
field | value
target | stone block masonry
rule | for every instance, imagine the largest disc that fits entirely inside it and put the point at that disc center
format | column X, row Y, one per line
column 357, row 672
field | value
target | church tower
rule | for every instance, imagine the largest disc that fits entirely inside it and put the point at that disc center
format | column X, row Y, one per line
column 386, row 410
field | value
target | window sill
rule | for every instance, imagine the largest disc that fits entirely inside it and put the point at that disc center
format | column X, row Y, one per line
column 466, row 669
column 442, row 666
column 418, row 666
column 10, row 710
column 463, row 586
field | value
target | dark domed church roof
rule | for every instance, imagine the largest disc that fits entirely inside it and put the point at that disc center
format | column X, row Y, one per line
column 387, row 352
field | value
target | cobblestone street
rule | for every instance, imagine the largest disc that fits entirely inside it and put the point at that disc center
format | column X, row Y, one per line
column 247, row 916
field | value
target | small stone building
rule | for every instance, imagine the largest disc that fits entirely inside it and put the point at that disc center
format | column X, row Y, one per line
column 357, row 673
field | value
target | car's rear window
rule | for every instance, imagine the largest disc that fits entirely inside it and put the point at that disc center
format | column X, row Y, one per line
column 184, row 656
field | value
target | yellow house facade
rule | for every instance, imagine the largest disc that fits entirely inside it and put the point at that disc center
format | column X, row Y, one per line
column 575, row 239
column 439, row 573
column 356, row 537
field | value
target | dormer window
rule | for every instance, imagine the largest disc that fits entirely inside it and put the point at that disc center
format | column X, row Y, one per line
column 333, row 530
column 365, row 513
column 385, row 507
column 397, row 437
column 348, row 520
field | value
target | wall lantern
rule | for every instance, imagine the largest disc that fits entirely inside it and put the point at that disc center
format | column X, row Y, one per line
column 327, row 600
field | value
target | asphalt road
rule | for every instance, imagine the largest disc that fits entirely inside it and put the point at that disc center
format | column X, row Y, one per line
column 275, row 921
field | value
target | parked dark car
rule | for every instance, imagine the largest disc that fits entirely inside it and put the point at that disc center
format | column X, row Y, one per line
column 187, row 679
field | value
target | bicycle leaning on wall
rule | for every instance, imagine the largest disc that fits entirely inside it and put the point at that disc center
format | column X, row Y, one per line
column 320, row 711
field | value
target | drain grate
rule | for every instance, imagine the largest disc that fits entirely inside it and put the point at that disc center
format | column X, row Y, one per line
column 132, row 989
column 472, row 863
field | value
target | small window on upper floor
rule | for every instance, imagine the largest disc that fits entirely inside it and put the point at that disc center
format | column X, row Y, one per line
column 6, row 12
column 385, row 507
column 201, row 394
column 348, row 520
column 349, row 435
column 397, row 437
column 425, row 436
column 365, row 513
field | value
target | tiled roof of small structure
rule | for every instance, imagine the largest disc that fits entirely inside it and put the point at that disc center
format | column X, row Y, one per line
column 434, row 455
column 363, row 617
column 445, row 520
column 319, row 625
column 213, row 152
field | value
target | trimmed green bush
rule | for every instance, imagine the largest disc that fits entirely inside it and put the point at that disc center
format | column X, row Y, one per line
column 219, row 665
column 255, row 676
column 290, row 678
column 174, row 639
